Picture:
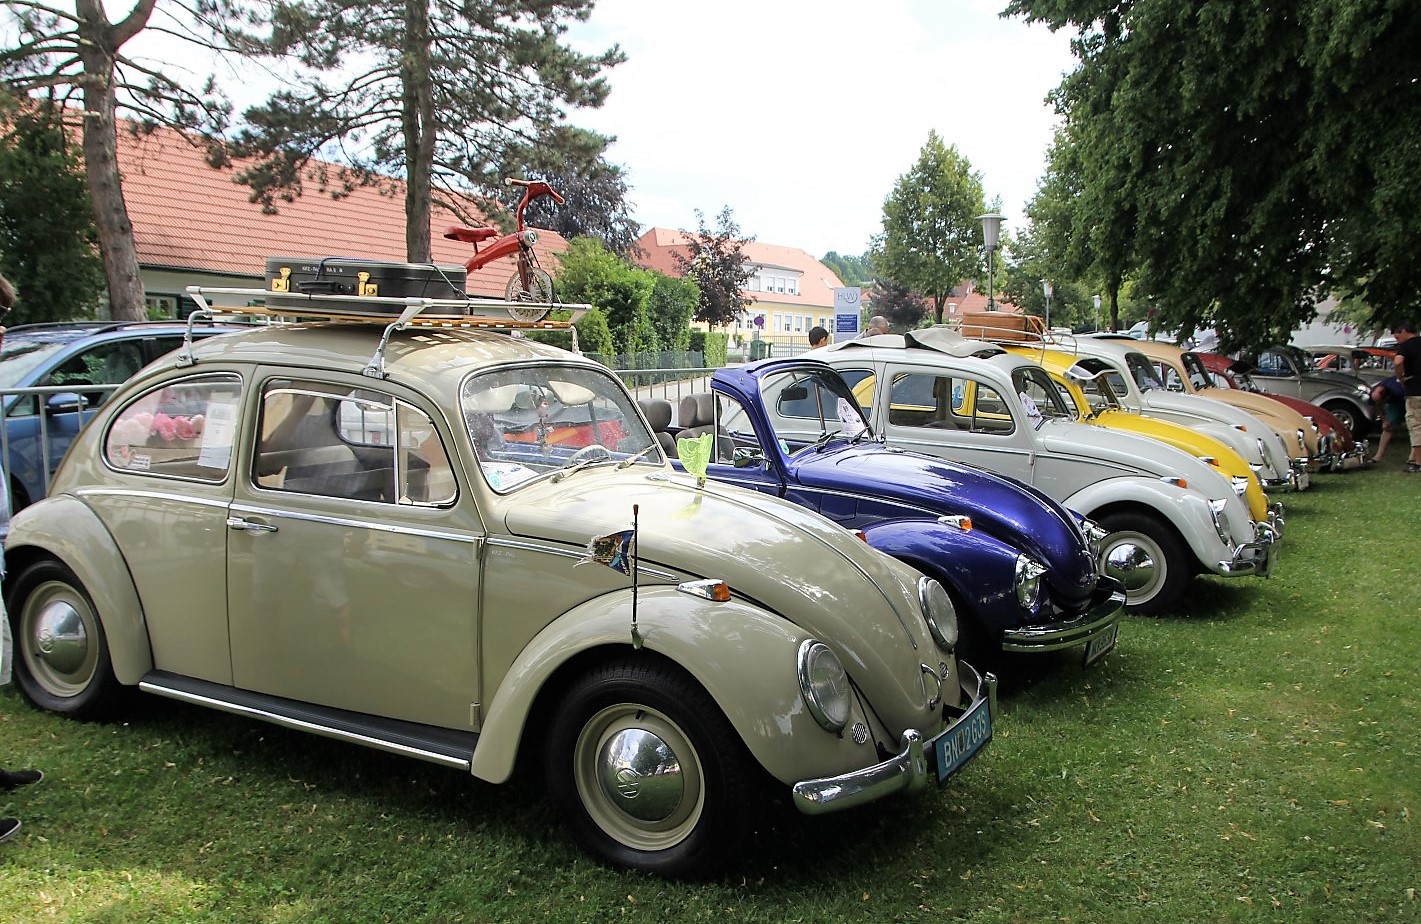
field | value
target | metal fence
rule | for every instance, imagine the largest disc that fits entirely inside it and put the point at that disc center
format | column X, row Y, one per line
column 39, row 425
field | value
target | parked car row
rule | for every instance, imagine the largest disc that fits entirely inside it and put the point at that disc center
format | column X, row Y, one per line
column 377, row 533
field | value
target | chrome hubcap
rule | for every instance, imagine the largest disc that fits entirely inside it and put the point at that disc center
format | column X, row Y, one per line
column 1133, row 565
column 61, row 641
column 641, row 774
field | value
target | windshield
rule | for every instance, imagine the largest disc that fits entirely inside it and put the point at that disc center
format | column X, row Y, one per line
column 1042, row 396
column 20, row 356
column 1143, row 372
column 1099, row 381
column 809, row 408
column 1194, row 368
column 530, row 421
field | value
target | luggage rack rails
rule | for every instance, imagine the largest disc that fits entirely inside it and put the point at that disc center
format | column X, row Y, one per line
column 473, row 313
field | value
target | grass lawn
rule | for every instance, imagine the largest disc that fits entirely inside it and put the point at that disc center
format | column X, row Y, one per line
column 1252, row 759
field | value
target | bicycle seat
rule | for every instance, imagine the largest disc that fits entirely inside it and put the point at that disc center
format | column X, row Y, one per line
column 470, row 235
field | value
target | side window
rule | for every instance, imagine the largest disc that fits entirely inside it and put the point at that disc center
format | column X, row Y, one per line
column 1271, row 364
column 922, row 400
column 105, row 364
column 736, row 442
column 353, row 443
column 861, row 382
column 183, row 429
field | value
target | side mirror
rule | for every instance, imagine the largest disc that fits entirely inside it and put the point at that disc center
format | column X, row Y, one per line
column 66, row 402
column 747, row 457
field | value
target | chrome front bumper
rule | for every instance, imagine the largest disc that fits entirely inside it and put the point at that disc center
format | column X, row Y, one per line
column 1095, row 621
column 910, row 769
column 1256, row 557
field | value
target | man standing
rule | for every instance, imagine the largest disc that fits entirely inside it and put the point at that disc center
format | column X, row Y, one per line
column 818, row 337
column 1408, row 370
column 877, row 324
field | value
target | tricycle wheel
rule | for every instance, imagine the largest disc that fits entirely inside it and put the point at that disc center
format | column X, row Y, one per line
column 539, row 289
column 61, row 653
column 649, row 773
column 1147, row 557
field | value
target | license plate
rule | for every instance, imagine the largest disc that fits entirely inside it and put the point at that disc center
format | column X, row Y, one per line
column 1101, row 645
column 958, row 744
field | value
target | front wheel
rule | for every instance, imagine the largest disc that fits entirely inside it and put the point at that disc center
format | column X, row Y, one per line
column 1355, row 423
column 1145, row 555
column 61, row 653
column 539, row 289
column 649, row 773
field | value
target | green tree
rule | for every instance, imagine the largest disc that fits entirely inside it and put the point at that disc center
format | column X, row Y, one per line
column 78, row 58
column 1241, row 151
column 903, row 307
column 931, row 238
column 673, row 304
column 592, row 274
column 572, row 161
column 716, row 262
column 852, row 271
column 48, row 242
column 443, row 93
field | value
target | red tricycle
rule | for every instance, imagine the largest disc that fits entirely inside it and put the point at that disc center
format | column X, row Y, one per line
column 530, row 284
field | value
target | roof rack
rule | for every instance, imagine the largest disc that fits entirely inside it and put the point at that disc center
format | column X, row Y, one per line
column 480, row 313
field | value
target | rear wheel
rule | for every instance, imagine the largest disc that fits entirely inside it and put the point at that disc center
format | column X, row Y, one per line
column 62, row 659
column 649, row 773
column 539, row 289
column 1146, row 556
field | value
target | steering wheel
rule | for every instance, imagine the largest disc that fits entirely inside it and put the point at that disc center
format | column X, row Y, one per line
column 588, row 453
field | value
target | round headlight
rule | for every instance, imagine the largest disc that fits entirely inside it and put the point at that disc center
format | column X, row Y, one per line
column 1028, row 582
column 824, row 684
column 939, row 613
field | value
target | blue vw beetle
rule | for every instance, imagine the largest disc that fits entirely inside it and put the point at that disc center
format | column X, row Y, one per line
column 1019, row 567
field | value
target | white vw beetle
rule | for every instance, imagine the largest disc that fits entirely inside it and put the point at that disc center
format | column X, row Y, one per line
column 1167, row 515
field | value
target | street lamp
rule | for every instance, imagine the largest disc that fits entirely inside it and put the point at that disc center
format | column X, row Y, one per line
column 1046, row 291
column 1097, row 312
column 991, row 233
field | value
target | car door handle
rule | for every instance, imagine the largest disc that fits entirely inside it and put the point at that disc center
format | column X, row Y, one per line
column 239, row 523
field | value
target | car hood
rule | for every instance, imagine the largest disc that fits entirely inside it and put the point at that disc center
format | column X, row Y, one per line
column 1127, row 453
column 1201, row 407
column 1010, row 510
column 786, row 558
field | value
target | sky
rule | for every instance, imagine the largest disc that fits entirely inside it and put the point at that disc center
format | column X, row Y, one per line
column 800, row 115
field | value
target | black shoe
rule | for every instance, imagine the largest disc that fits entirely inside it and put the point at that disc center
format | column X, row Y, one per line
column 1412, row 467
column 8, row 827
column 13, row 779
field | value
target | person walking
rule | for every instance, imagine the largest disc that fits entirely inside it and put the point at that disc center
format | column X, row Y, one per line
column 1408, row 370
column 9, row 779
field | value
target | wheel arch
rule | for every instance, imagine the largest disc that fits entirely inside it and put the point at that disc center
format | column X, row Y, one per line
column 71, row 533
column 700, row 637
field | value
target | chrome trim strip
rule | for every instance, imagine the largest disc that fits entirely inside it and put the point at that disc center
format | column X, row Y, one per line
column 528, row 545
column 299, row 725
column 365, row 523
column 221, row 504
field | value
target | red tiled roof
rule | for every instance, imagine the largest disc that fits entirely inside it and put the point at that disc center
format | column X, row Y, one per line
column 186, row 215
column 816, row 281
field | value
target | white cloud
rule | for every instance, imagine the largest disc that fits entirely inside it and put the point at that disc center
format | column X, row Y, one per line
column 800, row 115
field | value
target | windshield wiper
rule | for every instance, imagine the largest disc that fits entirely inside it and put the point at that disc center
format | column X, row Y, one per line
column 631, row 460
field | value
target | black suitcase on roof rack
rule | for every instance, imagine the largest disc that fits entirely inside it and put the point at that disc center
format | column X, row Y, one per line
column 355, row 281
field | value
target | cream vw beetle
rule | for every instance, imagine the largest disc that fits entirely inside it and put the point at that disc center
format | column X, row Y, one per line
column 1167, row 515
column 386, row 546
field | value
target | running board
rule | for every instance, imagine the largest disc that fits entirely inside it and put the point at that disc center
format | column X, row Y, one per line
column 410, row 739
